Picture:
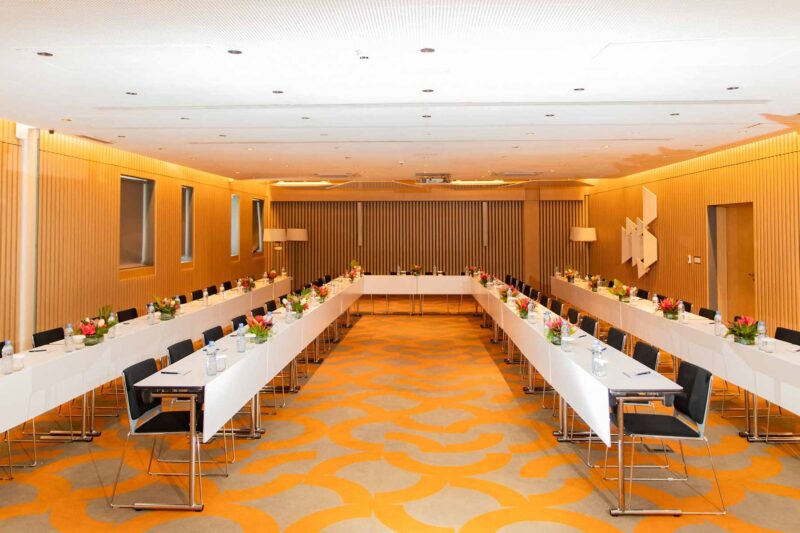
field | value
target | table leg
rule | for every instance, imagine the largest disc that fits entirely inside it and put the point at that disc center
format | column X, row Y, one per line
column 620, row 458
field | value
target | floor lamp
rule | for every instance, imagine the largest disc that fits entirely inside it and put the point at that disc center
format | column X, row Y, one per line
column 276, row 236
column 296, row 235
column 587, row 235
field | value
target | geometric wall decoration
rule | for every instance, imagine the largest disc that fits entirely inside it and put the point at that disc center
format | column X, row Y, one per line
column 639, row 246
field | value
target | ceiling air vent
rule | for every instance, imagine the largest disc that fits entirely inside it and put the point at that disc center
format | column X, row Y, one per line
column 94, row 139
column 432, row 179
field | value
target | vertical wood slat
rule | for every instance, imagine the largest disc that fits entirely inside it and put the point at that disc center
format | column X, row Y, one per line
column 555, row 220
column 78, row 233
column 442, row 233
column 764, row 172
column 10, row 177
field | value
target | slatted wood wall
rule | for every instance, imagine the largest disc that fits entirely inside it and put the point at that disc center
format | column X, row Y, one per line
column 10, row 168
column 447, row 234
column 79, row 230
column 765, row 173
column 555, row 249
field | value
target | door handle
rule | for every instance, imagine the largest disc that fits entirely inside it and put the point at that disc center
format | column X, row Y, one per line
column 752, row 275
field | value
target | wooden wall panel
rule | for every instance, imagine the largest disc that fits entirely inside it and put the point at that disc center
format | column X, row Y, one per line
column 555, row 220
column 79, row 230
column 10, row 169
column 447, row 234
column 765, row 173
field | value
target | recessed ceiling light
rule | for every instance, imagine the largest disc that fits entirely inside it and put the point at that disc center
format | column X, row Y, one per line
column 278, row 91
column 185, row 118
column 550, row 115
column 698, row 145
column 120, row 136
column 515, row 147
column 44, row 54
column 159, row 149
column 426, row 116
column 427, row 50
column 530, row 133
column 237, row 172
column 363, row 57
column 578, row 89
column 66, row 119
column 304, row 118
column 731, row 88
column 235, row 52
column 427, row 90
column 347, row 157
column 131, row 93
column 249, row 149
column 318, row 183
column 605, row 146
column 401, row 162
column 674, row 114
column 222, row 135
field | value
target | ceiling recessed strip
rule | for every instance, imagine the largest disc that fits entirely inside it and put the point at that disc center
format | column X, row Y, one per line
column 477, row 182
column 320, row 183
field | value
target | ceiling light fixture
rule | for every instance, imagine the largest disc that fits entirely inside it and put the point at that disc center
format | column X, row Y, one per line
column 278, row 91
column 550, row 115
column 426, row 116
column 674, row 114
column 66, row 119
column 185, row 118
column 363, row 57
column 427, row 50
column 222, row 135
column 44, row 54
column 249, row 149
column 235, row 52
column 131, row 93
column 530, row 133
column 320, row 183
column 304, row 118
column 578, row 89
column 427, row 90
column 477, row 182
column 731, row 88
column 120, row 136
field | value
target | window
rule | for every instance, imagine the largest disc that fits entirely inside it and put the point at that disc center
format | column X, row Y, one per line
column 235, row 225
column 187, row 224
column 257, row 230
column 136, row 222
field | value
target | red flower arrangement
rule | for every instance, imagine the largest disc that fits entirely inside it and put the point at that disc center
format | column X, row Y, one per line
column 271, row 275
column 744, row 330
column 248, row 283
column 522, row 306
column 484, row 279
column 669, row 307
column 167, row 307
column 554, row 326
column 322, row 292
column 259, row 326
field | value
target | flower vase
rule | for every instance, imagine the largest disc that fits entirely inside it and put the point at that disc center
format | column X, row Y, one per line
column 594, row 289
column 523, row 315
column 556, row 339
column 570, row 279
column 261, row 339
column 669, row 315
column 91, row 340
column 167, row 316
column 624, row 299
column 747, row 341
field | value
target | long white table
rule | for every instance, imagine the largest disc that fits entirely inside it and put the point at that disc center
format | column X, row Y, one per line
column 54, row 377
column 772, row 376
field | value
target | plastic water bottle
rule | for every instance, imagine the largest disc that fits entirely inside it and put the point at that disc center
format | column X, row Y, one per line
column 264, row 276
column 682, row 312
column 599, row 361
column 222, row 291
column 545, row 320
column 508, row 295
column 205, row 297
column 112, row 331
column 211, row 359
column 69, row 339
column 719, row 328
column 151, row 314
column 241, row 343
column 8, row 358
column 655, row 301
column 634, row 292
column 531, row 309
column 761, row 334
column 566, row 341
column 239, row 285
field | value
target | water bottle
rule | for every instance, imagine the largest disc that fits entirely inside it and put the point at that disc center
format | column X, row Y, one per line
column 545, row 320
column 239, row 285
column 151, row 314
column 761, row 334
column 264, row 276
column 211, row 359
column 682, row 312
column 241, row 343
column 222, row 291
column 283, row 272
column 8, row 358
column 435, row 272
column 558, row 272
column 69, row 339
column 531, row 310
column 112, row 330
column 719, row 327
column 655, row 301
column 508, row 295
column 205, row 297
column 598, row 360
column 566, row 341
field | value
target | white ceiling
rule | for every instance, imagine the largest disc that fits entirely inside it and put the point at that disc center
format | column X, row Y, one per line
column 499, row 68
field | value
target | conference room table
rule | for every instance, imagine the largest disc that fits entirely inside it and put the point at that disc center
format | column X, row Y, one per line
column 416, row 287
column 53, row 377
column 774, row 377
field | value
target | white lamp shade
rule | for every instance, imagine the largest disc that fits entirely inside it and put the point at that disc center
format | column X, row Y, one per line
column 274, row 235
column 582, row 234
column 296, row 234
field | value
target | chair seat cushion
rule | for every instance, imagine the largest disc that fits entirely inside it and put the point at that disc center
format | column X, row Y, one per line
column 170, row 422
column 658, row 425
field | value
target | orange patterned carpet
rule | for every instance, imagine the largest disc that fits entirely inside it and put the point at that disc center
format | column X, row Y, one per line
column 411, row 424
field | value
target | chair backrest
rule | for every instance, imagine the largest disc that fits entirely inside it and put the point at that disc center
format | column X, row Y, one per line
column 258, row 311
column 642, row 293
column 533, row 293
column 280, row 298
column 429, row 273
column 179, row 350
column 212, row 290
column 127, row 314
column 660, row 296
column 646, row 354
column 197, row 295
column 442, row 272
column 556, row 306
column 392, row 273
column 228, row 285
column 526, row 289
column 41, row 338
column 589, row 325
column 272, row 306
column 320, row 282
column 520, row 284
column 182, row 298
column 705, row 312
column 616, row 339
column 137, row 406
column 307, row 286
column 788, row 335
column 328, row 278
column 687, row 306
column 696, row 383
column 237, row 321
column 367, row 273
column 573, row 315
column 513, row 281
column 213, row 334
column 544, row 300
column 508, row 279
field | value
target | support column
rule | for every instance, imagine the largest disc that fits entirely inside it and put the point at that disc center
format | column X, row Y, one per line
column 28, row 214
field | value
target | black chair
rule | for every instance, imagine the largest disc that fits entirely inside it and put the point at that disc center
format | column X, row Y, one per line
column 707, row 313
column 556, row 307
column 272, row 306
column 228, row 285
column 691, row 405
column 179, row 350
column 240, row 320
column 508, row 279
column 367, row 273
column 642, row 293
column 280, row 298
column 616, row 339
column 544, row 300
column 306, row 286
column 687, row 306
column 329, row 278
column 127, row 314
column 520, row 285
column 392, row 273
column 513, row 282
column 660, row 296
column 589, row 325
column 320, row 282
column 429, row 273
column 41, row 338
column 182, row 298
column 197, row 295
column 573, row 315
column 213, row 334
column 646, row 354
column 212, row 290
column 526, row 289
column 258, row 311
column 533, row 293
column 788, row 335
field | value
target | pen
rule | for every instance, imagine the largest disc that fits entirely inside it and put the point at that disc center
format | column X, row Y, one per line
column 168, row 372
column 39, row 350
